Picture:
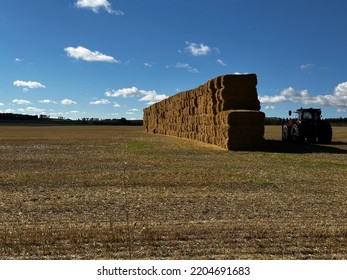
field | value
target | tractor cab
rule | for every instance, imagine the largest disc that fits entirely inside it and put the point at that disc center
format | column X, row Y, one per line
column 307, row 126
column 309, row 114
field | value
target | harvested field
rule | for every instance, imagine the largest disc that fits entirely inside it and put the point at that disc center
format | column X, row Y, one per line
column 87, row 192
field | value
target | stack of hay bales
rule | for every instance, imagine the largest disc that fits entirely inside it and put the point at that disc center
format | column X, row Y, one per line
column 224, row 111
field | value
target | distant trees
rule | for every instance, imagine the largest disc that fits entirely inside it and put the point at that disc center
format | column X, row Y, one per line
column 11, row 116
column 338, row 121
column 273, row 121
column 123, row 121
column 278, row 121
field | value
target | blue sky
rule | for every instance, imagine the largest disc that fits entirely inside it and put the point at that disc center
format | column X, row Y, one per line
column 112, row 58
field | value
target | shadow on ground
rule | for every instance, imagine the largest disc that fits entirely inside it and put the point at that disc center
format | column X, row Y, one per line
column 276, row 146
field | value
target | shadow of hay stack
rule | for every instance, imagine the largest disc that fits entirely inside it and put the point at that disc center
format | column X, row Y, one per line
column 276, row 146
column 224, row 112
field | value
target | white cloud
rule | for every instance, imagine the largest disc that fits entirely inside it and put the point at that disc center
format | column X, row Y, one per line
column 287, row 94
column 150, row 96
column 88, row 55
column 148, row 65
column 338, row 98
column 18, row 60
column 47, row 101
column 271, row 107
column 1, row 104
column 20, row 101
column 197, row 50
column 187, row 67
column 28, row 84
column 100, row 102
column 115, row 104
column 341, row 90
column 221, row 62
column 68, row 102
column 134, row 110
column 95, row 5
column 293, row 95
column 272, row 99
column 123, row 92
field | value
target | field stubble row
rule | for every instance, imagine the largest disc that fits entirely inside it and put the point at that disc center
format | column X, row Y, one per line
column 118, row 193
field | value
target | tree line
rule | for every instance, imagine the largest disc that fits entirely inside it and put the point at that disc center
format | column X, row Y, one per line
column 278, row 121
column 122, row 121
column 44, row 119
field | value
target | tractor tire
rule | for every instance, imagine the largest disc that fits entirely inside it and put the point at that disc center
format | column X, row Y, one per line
column 296, row 133
column 285, row 133
column 325, row 134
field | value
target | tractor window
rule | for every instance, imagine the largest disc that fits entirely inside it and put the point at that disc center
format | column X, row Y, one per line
column 307, row 116
column 316, row 116
column 310, row 115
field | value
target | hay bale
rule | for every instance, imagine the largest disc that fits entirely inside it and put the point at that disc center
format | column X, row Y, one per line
column 224, row 111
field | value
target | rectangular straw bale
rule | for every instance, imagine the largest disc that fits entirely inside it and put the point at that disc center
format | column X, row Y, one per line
column 224, row 111
column 242, row 117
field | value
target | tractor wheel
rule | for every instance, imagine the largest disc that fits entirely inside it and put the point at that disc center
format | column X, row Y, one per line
column 297, row 134
column 285, row 133
column 325, row 134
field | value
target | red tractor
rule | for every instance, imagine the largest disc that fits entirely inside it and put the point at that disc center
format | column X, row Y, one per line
column 306, row 127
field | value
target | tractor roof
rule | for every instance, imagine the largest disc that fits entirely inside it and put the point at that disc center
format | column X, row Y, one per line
column 309, row 109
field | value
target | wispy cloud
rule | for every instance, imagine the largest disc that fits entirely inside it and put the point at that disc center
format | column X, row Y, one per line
column 187, row 67
column 338, row 98
column 132, row 111
column 100, row 102
column 68, row 102
column 35, row 110
column 28, row 84
column 221, row 62
column 47, row 101
column 96, row 5
column 149, row 96
column 307, row 66
column 197, row 49
column 272, row 99
column 85, row 54
column 21, row 101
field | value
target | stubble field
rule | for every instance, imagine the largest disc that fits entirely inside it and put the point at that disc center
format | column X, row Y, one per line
column 89, row 192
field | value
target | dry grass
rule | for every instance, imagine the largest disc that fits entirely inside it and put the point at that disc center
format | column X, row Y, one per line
column 91, row 192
